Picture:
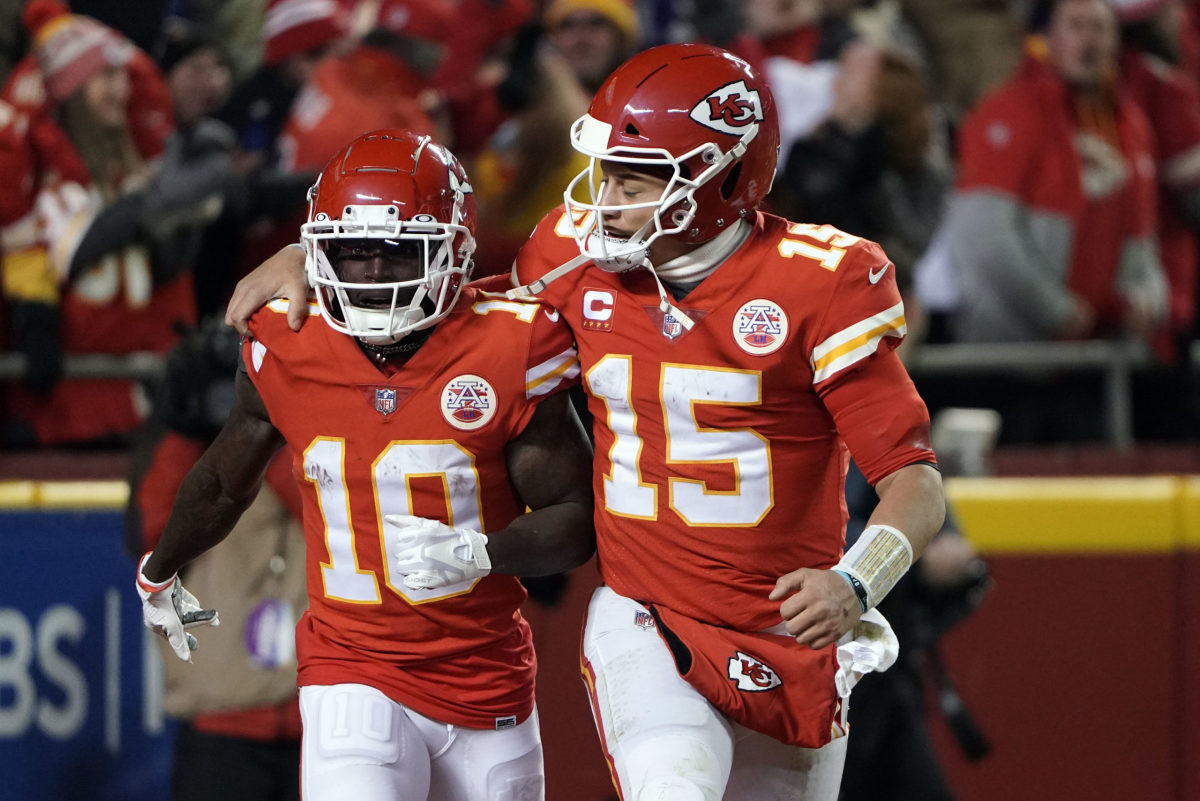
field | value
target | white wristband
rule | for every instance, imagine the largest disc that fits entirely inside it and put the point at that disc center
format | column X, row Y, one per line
column 877, row 560
column 479, row 551
column 145, row 583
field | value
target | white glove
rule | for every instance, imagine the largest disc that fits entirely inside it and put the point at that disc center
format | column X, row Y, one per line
column 168, row 609
column 430, row 554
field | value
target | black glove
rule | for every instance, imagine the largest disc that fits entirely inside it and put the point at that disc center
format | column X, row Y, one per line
column 35, row 331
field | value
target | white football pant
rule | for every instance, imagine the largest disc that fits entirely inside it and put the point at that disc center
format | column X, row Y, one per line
column 359, row 744
column 667, row 742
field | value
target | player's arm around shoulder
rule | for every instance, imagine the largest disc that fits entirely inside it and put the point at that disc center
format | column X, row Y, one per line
column 280, row 276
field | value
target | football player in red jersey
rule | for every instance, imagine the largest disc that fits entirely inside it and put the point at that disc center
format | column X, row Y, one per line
column 423, row 420
column 734, row 362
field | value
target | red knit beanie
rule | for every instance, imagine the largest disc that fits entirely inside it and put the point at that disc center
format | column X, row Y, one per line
column 297, row 26
column 71, row 48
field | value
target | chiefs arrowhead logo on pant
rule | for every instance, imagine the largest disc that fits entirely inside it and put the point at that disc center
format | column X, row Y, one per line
column 751, row 673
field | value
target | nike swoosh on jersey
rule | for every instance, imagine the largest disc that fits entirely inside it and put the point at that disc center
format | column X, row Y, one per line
column 874, row 277
column 551, row 314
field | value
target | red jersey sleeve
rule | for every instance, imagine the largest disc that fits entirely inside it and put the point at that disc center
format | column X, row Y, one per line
column 549, row 246
column 552, row 363
column 856, row 372
column 553, row 360
column 863, row 312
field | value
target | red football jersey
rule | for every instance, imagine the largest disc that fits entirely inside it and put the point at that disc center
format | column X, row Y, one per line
column 427, row 439
column 719, row 460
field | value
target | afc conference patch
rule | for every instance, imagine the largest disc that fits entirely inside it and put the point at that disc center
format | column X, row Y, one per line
column 760, row 327
column 468, row 402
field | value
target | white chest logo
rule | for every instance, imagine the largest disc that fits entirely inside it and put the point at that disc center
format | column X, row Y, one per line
column 752, row 674
column 760, row 327
column 468, row 402
column 599, row 308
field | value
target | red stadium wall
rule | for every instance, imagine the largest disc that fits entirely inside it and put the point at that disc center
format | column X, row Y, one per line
column 1081, row 664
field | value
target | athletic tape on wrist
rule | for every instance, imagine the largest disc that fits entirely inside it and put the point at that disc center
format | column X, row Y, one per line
column 145, row 583
column 479, row 553
column 877, row 561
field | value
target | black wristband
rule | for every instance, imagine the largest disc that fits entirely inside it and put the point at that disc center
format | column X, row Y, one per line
column 860, row 590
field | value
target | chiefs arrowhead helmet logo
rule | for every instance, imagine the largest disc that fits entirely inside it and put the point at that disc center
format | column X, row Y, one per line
column 729, row 109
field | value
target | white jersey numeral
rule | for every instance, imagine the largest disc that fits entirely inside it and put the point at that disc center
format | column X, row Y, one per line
column 392, row 473
column 625, row 494
column 682, row 388
column 828, row 257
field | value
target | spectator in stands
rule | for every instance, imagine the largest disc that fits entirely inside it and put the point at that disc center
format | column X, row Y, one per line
column 90, row 256
column 250, row 192
column 199, row 82
column 871, row 168
column 384, row 82
column 296, row 34
column 814, row 30
column 1049, row 233
column 891, row 754
column 1051, row 226
column 553, row 73
column 1153, row 34
column 476, row 62
column 971, row 47
column 239, row 729
column 1150, row 72
column 196, row 71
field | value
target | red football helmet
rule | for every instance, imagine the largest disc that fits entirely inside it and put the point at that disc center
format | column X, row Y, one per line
column 700, row 112
column 404, row 190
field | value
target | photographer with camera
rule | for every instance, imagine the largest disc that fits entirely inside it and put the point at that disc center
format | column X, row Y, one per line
column 891, row 755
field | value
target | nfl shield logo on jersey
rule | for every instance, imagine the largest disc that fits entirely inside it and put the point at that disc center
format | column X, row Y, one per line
column 752, row 674
column 760, row 327
column 671, row 327
column 643, row 619
column 468, row 402
column 385, row 401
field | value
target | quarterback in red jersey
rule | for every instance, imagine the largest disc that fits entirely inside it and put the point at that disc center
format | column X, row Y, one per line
column 734, row 362
column 423, row 420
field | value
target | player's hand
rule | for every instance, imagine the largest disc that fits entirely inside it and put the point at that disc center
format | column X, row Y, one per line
column 281, row 276
column 430, row 554
column 819, row 606
column 170, row 610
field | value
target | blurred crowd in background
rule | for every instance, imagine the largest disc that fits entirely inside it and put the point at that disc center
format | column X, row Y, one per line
column 1032, row 167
